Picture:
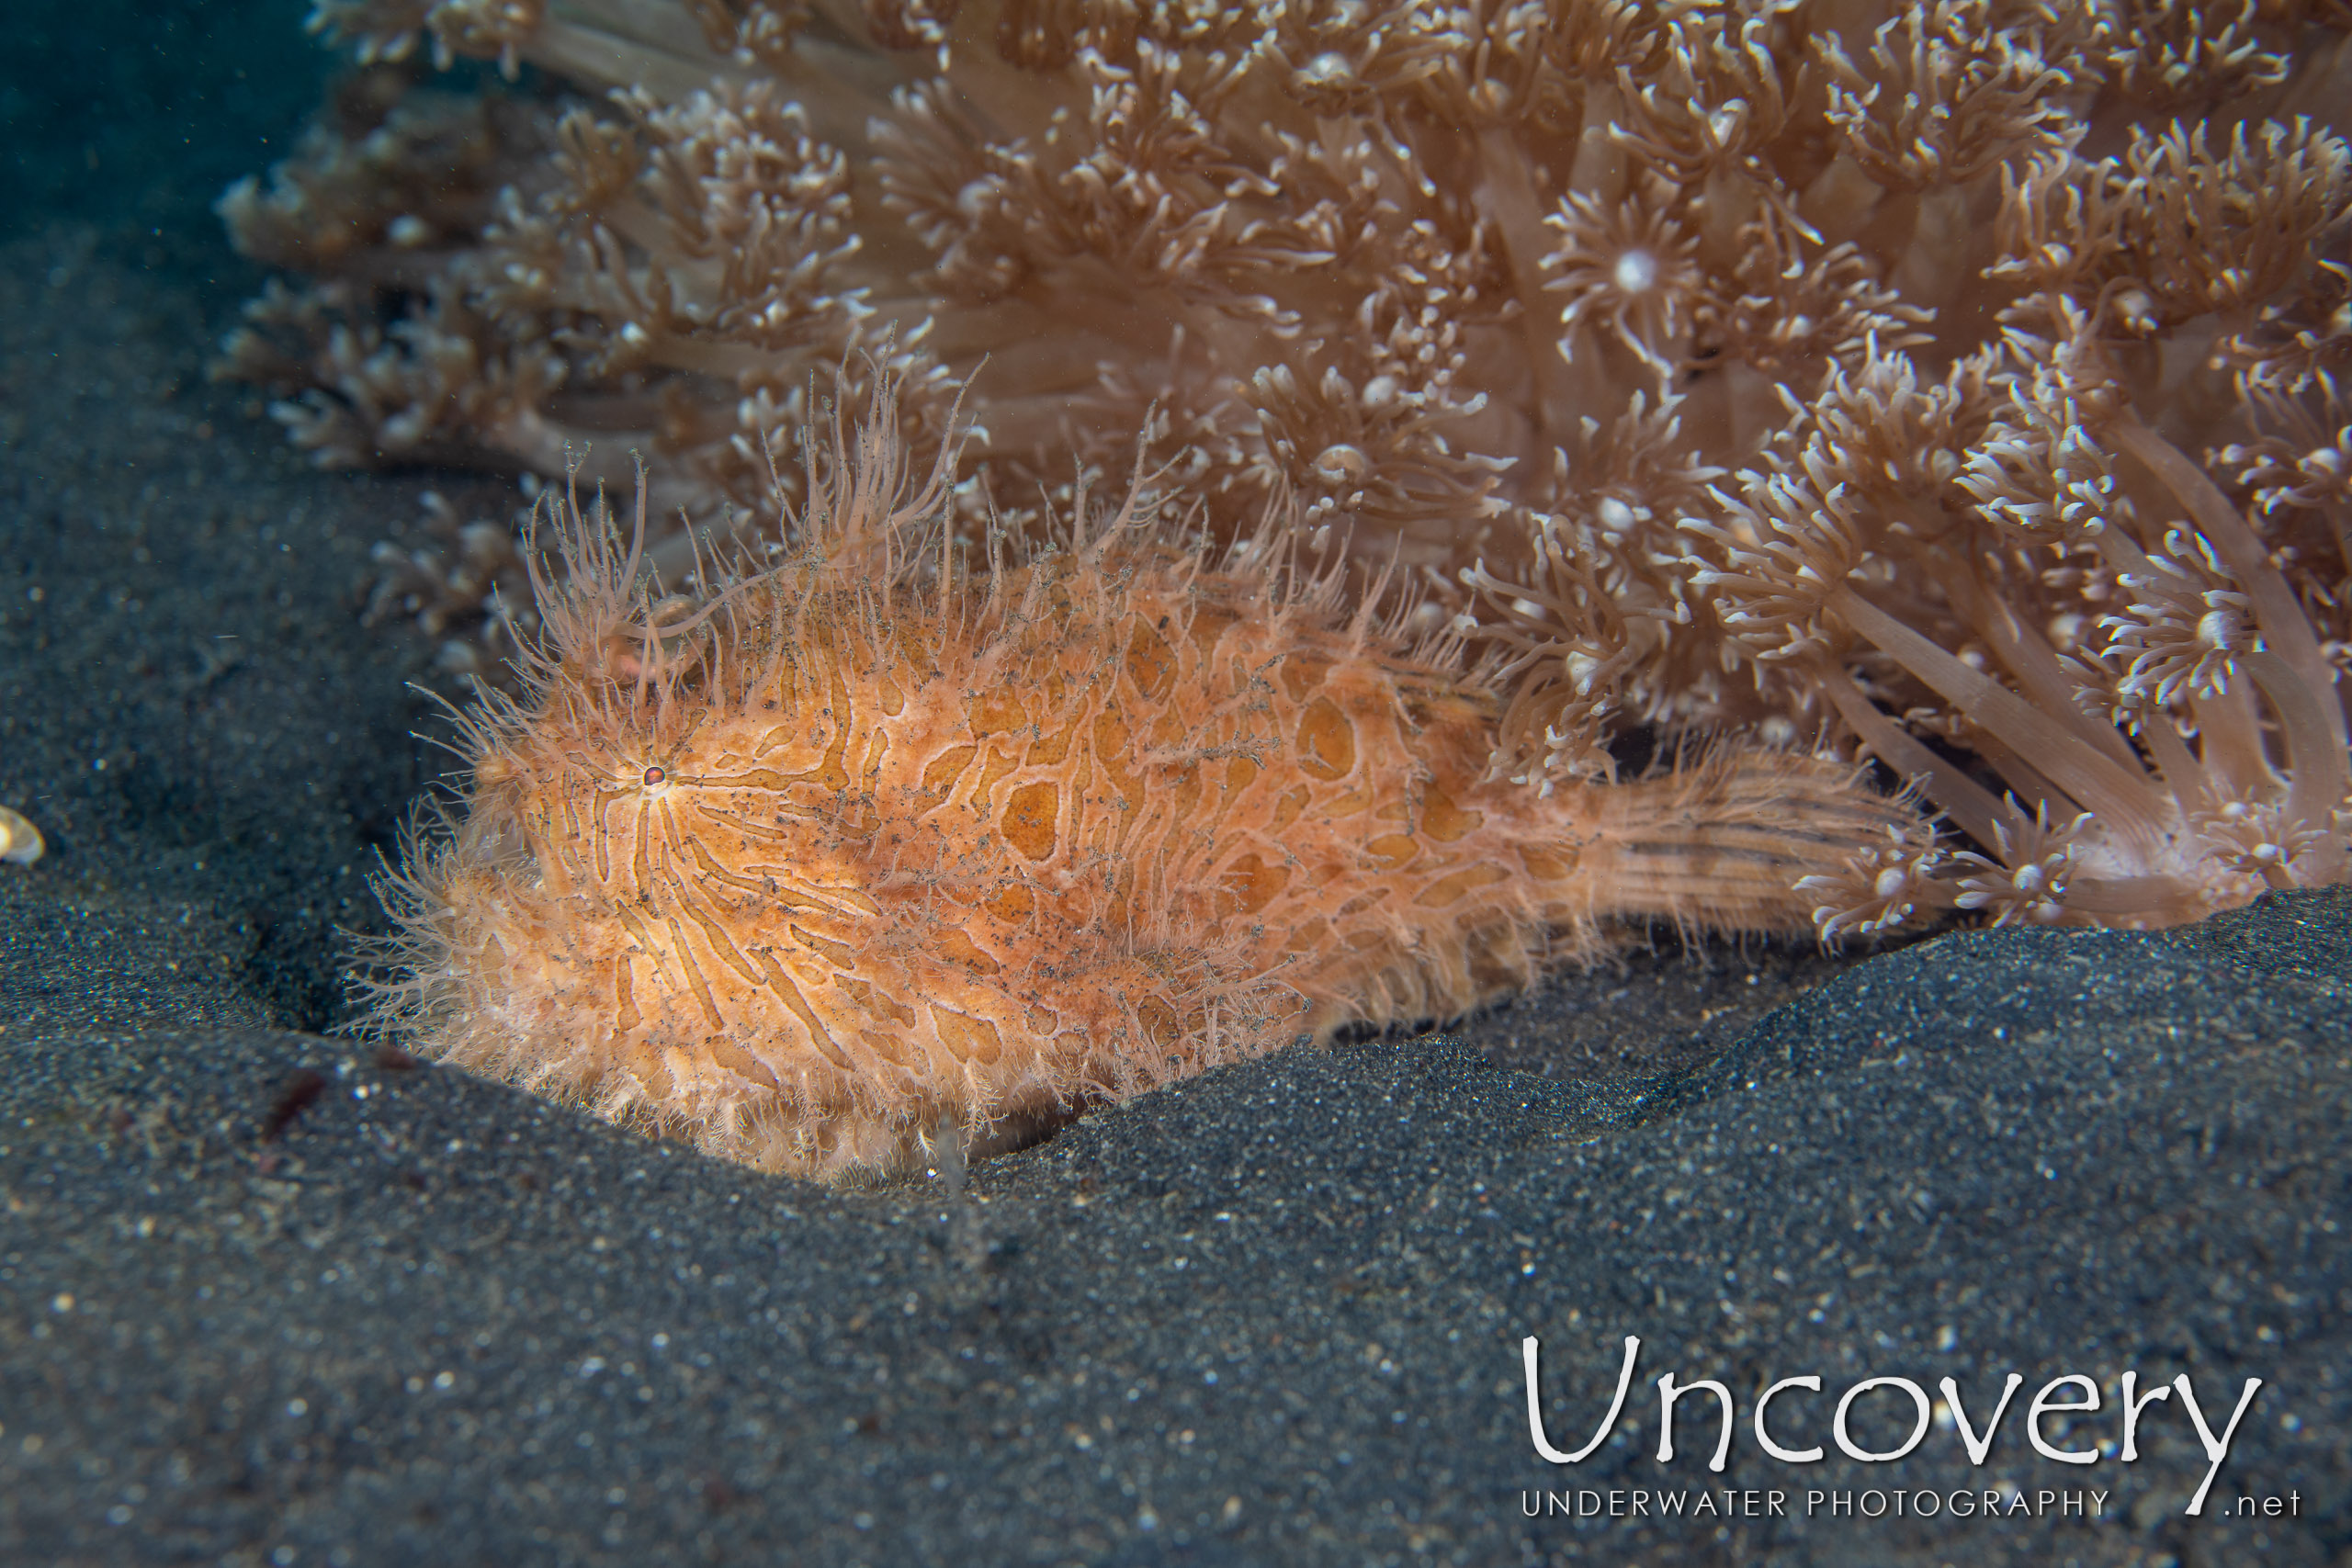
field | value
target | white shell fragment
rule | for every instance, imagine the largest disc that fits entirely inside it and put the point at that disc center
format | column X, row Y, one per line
column 19, row 840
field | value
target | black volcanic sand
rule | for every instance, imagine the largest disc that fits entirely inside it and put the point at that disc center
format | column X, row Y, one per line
column 266, row 1297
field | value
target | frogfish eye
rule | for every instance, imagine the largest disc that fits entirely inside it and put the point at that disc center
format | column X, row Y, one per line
column 654, row 776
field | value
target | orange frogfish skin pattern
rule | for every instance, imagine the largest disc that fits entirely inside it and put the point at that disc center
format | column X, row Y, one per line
column 861, row 858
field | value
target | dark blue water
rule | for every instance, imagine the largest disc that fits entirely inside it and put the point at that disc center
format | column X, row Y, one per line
column 136, row 113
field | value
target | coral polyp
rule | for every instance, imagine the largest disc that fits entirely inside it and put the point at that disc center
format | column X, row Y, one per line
column 865, row 847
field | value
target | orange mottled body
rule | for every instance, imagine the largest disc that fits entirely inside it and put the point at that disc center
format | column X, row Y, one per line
column 857, row 859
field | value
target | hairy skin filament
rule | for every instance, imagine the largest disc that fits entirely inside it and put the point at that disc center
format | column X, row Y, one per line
column 866, row 847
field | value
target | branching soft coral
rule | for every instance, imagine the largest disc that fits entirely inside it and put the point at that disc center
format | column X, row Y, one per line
column 1955, row 382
